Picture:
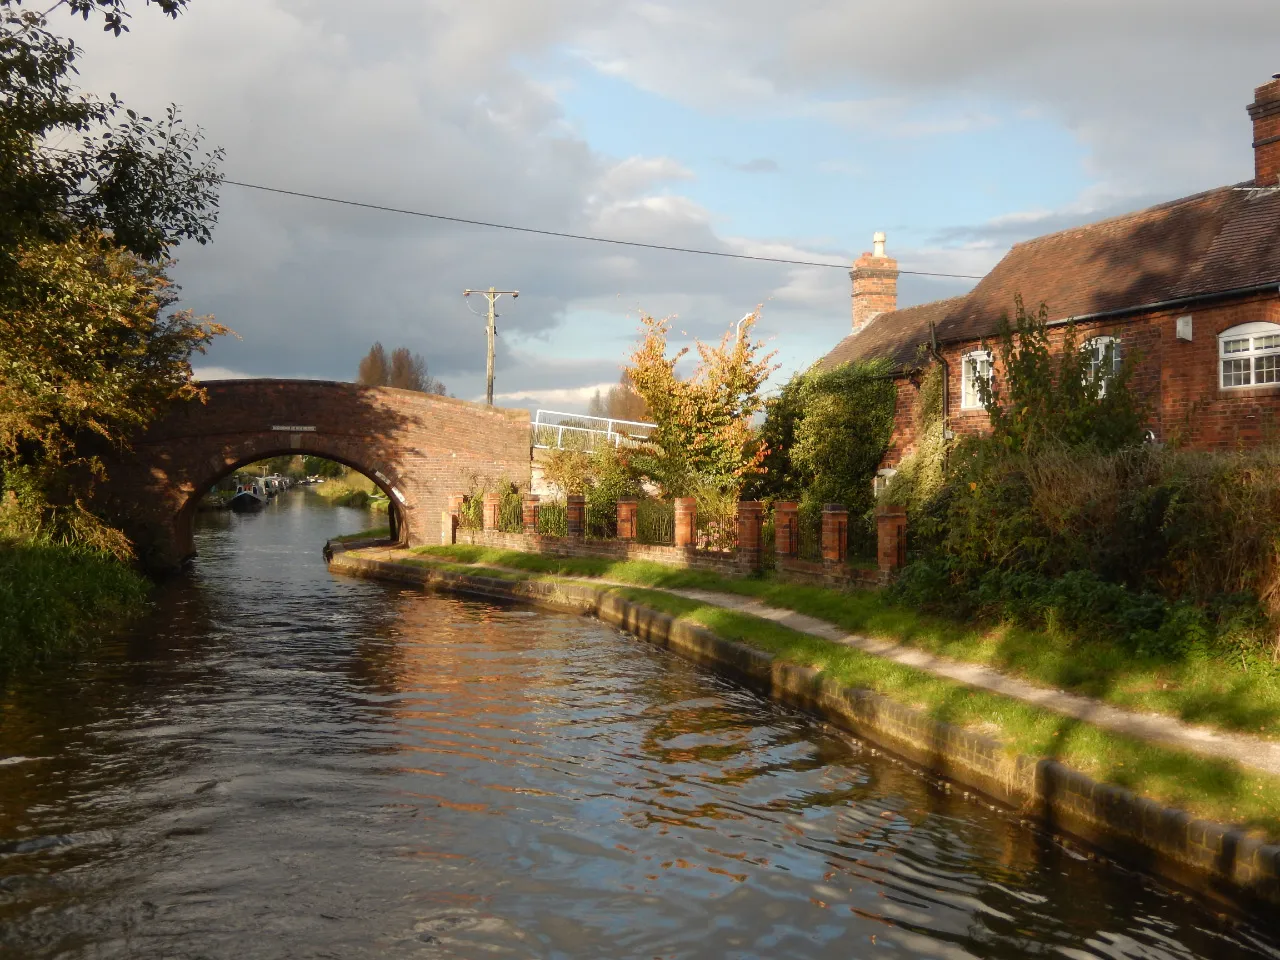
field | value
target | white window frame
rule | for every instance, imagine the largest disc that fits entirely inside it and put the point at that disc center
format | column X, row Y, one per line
column 970, row 398
column 1255, row 345
column 881, row 480
column 1096, row 347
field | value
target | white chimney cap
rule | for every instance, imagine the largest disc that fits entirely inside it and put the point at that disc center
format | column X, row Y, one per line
column 878, row 240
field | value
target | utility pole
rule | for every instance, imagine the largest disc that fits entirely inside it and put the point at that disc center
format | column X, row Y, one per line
column 492, row 296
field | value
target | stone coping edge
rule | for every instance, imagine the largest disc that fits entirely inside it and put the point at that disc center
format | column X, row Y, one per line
column 1212, row 859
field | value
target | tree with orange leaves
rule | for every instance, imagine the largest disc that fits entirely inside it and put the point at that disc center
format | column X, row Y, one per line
column 704, row 434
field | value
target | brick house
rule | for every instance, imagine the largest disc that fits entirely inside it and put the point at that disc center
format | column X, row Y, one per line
column 1191, row 286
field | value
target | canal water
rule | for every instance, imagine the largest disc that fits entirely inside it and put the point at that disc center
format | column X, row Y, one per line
column 284, row 763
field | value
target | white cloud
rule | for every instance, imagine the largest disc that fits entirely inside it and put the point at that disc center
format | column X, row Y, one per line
column 207, row 374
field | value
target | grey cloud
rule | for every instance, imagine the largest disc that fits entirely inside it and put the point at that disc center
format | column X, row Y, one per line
column 756, row 165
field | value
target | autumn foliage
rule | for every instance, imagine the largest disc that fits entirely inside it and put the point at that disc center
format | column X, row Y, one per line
column 704, row 436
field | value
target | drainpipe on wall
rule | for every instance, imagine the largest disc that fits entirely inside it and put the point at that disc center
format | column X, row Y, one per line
column 946, row 382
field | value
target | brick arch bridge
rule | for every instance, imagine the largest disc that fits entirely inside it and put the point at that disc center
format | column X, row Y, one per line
column 418, row 448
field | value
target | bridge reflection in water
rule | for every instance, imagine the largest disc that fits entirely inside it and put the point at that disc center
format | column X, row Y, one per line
column 284, row 763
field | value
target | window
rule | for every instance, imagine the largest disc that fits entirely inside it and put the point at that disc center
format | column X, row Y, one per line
column 882, row 478
column 1249, row 355
column 974, row 367
column 1103, row 354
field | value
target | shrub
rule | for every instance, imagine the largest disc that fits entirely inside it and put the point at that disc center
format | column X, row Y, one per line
column 716, row 521
column 1047, row 394
column 510, row 510
column 553, row 518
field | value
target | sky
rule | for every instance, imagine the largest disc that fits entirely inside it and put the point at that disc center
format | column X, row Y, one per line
column 790, row 130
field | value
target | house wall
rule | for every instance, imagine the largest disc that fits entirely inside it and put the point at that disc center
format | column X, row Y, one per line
column 1178, row 380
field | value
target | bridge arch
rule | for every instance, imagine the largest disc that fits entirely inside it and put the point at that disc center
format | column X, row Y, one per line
column 418, row 448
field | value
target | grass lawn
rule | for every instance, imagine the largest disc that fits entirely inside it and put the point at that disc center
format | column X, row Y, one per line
column 1214, row 789
column 1213, row 692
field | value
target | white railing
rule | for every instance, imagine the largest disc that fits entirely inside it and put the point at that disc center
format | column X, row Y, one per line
column 554, row 430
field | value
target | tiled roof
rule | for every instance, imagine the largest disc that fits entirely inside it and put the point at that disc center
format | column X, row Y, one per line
column 1221, row 240
column 897, row 335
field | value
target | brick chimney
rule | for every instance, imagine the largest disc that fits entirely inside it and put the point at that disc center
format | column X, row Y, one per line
column 875, row 284
column 1265, row 113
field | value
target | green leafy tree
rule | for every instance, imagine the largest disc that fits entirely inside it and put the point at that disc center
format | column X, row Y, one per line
column 320, row 467
column 847, row 423
column 826, row 432
column 89, row 349
column 1046, row 393
column 88, row 354
column 145, row 184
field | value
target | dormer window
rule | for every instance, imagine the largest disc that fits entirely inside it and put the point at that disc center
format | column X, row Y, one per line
column 974, row 368
column 1249, row 355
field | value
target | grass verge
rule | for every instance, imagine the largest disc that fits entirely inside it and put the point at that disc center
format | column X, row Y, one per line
column 1214, row 789
column 56, row 600
column 1213, row 692
column 375, row 532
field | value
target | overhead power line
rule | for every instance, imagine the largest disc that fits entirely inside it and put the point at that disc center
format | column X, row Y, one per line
column 570, row 236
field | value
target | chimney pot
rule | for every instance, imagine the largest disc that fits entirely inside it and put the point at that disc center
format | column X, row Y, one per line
column 875, row 284
column 1265, row 113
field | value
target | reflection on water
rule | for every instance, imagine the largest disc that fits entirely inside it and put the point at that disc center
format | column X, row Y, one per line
column 287, row 764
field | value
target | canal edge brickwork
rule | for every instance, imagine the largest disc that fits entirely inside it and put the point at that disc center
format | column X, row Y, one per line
column 1210, row 858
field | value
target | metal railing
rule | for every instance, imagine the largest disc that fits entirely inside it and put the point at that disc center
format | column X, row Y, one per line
column 554, row 430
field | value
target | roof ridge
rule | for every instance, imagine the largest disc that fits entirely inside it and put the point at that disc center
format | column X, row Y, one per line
column 1132, row 214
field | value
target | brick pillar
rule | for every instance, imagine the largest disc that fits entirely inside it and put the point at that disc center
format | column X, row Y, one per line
column 492, row 509
column 529, row 511
column 750, row 521
column 686, row 533
column 835, row 533
column 575, row 508
column 627, row 507
column 451, row 518
column 786, row 529
column 891, row 540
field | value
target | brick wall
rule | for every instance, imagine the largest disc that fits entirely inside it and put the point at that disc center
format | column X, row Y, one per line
column 418, row 448
column 1177, row 379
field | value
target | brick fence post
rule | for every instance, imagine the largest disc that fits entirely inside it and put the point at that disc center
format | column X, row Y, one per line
column 492, row 510
column 750, row 522
column 627, row 507
column 835, row 533
column 891, row 540
column 686, row 532
column 451, row 519
column 786, row 529
column 575, row 508
column 529, row 514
